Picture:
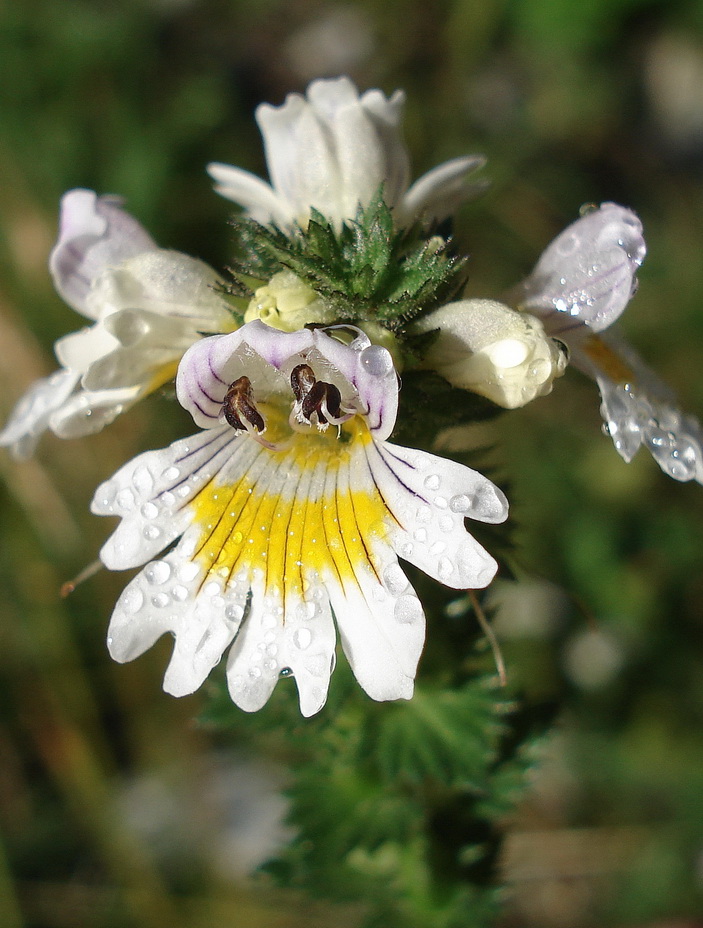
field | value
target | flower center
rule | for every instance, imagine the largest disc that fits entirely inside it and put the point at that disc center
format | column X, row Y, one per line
column 314, row 403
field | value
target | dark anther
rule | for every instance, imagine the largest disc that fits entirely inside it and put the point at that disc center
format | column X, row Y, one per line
column 302, row 380
column 239, row 404
column 320, row 393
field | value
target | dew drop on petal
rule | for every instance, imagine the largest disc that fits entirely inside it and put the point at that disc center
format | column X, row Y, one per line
column 234, row 612
column 406, row 549
column 183, row 490
column 167, row 498
column 440, row 502
column 171, row 473
column 316, row 664
column 460, row 503
column 432, row 482
column 161, row 600
column 376, row 360
column 285, row 672
column 445, row 568
column 423, row 513
column 180, row 593
column 125, row 499
column 420, row 535
column 150, row 510
column 408, row 609
column 157, row 572
column 394, row 579
column 151, row 532
column 302, row 638
column 438, row 547
column 446, row 524
column 187, row 571
column 143, row 480
column 132, row 600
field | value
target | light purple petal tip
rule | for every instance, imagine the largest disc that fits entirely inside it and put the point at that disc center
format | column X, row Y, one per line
column 586, row 276
column 94, row 233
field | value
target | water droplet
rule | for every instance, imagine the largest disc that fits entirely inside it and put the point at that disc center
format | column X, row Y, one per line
column 394, row 579
column 440, row 502
column 171, row 473
column 125, row 499
column 183, row 490
column 446, row 524
column 302, row 638
column 316, row 664
column 150, row 510
column 285, row 672
column 160, row 600
column 167, row 498
column 445, row 568
column 406, row 549
column 151, row 532
column 143, row 480
column 132, row 600
column 438, row 547
column 234, row 612
column 460, row 503
column 212, row 588
column 376, row 360
column 188, row 570
column 236, row 538
column 180, row 593
column 423, row 513
column 432, row 482
column 408, row 609
column 217, row 602
column 157, row 572
column 420, row 535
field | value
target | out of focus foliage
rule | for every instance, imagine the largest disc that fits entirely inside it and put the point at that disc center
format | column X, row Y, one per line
column 116, row 809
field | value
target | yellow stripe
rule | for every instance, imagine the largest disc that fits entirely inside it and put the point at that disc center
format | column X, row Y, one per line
column 277, row 521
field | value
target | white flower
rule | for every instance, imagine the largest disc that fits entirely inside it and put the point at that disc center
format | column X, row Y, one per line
column 148, row 305
column 331, row 150
column 291, row 507
column 493, row 350
column 580, row 286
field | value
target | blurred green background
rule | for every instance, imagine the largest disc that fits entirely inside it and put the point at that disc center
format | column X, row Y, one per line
column 116, row 807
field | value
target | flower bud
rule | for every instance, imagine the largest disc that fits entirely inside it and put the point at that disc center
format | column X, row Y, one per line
column 288, row 304
column 493, row 350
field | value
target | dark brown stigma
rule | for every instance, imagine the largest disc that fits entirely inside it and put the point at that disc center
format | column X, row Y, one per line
column 238, row 407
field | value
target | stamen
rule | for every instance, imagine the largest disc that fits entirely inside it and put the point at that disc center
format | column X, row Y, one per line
column 239, row 409
column 69, row 586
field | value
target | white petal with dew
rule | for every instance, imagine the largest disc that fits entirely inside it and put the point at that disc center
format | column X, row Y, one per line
column 152, row 493
column 298, row 642
column 31, row 416
column 429, row 498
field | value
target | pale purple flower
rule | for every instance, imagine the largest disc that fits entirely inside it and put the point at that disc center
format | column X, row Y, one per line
column 148, row 305
column 580, row 286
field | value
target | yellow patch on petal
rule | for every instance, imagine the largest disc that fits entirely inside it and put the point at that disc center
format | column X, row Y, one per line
column 606, row 360
column 299, row 515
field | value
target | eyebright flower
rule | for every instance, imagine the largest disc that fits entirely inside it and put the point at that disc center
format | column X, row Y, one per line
column 148, row 305
column 292, row 508
column 580, row 286
column 331, row 150
column 492, row 350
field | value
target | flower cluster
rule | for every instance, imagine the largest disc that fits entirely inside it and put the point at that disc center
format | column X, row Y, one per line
column 284, row 516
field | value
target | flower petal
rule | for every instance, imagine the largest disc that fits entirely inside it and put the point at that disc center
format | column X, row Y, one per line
column 152, row 492
column 639, row 409
column 586, row 276
column 94, row 233
column 429, row 498
column 257, row 197
column 32, row 414
column 438, row 193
